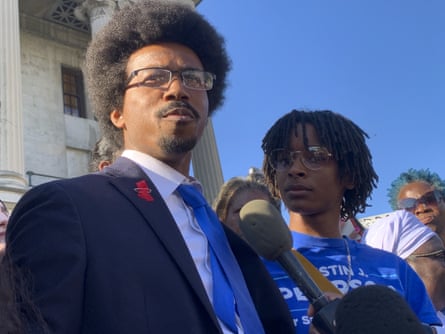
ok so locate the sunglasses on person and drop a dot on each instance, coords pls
(410, 204)
(436, 255)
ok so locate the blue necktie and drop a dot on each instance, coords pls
(229, 287)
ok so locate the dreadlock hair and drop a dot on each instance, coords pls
(138, 25)
(414, 175)
(346, 142)
(235, 186)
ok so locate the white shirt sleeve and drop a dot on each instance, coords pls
(400, 233)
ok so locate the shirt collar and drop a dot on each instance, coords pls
(165, 178)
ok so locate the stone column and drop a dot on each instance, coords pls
(206, 163)
(12, 181)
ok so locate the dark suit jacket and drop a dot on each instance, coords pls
(104, 260)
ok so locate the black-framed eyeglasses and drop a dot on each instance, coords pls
(156, 77)
(313, 158)
(436, 255)
(429, 198)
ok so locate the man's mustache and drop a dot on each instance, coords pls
(178, 104)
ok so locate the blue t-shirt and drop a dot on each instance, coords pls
(369, 266)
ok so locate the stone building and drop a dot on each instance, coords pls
(47, 128)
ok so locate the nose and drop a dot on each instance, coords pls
(297, 168)
(176, 89)
(421, 208)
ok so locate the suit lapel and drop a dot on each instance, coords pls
(127, 179)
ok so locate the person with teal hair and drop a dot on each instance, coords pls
(422, 193)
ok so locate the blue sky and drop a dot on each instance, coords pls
(381, 63)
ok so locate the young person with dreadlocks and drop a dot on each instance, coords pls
(318, 163)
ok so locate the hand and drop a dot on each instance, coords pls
(313, 330)
(324, 316)
(329, 296)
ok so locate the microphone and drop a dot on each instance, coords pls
(266, 232)
(376, 309)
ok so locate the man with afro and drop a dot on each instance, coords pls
(124, 250)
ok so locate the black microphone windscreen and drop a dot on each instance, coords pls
(265, 229)
(375, 309)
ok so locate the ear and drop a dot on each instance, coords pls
(117, 119)
(103, 164)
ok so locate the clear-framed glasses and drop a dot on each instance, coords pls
(159, 77)
(436, 255)
(410, 204)
(313, 158)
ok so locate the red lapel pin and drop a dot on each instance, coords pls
(143, 191)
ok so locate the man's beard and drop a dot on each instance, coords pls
(177, 145)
